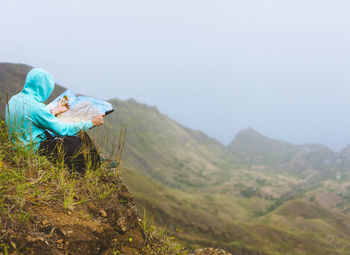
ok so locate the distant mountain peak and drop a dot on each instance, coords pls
(254, 143)
(250, 136)
(250, 132)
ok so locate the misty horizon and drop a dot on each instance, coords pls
(242, 130)
(218, 67)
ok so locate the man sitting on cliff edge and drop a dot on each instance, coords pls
(28, 121)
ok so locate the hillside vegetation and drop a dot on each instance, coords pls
(45, 209)
(255, 196)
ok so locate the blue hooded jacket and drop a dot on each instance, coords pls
(27, 117)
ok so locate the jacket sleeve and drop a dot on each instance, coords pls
(42, 118)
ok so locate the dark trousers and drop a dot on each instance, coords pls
(78, 152)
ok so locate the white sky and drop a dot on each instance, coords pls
(281, 67)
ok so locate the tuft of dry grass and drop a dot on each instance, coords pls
(25, 175)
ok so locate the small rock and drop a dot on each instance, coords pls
(30, 239)
(44, 223)
(59, 244)
(211, 251)
(103, 213)
(91, 205)
(122, 223)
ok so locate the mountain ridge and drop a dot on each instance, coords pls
(16, 72)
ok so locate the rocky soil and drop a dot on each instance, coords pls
(104, 227)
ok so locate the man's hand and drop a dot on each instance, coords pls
(97, 120)
(60, 108)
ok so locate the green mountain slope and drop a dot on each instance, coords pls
(257, 147)
(166, 151)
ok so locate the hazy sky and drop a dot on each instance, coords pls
(281, 67)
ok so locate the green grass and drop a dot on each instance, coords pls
(27, 180)
(25, 175)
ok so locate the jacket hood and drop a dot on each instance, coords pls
(39, 84)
